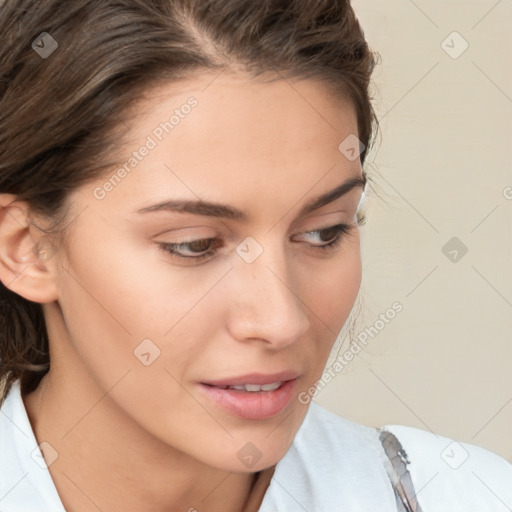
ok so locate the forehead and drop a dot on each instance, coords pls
(244, 114)
(232, 139)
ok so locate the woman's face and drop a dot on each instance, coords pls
(165, 306)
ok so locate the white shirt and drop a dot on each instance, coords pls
(333, 465)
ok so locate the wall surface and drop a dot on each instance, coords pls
(438, 240)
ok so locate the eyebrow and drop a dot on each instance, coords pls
(210, 209)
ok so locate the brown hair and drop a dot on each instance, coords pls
(59, 114)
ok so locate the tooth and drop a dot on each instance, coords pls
(270, 387)
(252, 387)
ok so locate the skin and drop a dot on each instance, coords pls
(122, 430)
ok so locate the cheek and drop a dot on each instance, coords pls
(122, 301)
(134, 328)
(110, 305)
(331, 295)
(333, 289)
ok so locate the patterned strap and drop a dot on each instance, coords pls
(398, 473)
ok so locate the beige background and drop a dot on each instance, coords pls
(441, 169)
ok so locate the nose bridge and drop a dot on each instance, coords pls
(267, 307)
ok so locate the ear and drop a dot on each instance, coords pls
(26, 253)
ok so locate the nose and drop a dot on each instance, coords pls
(265, 305)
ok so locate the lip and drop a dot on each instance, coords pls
(256, 405)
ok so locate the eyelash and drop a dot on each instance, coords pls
(341, 231)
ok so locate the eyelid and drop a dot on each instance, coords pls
(178, 232)
(317, 223)
(322, 221)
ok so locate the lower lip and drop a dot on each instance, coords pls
(255, 405)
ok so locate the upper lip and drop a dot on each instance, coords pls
(254, 378)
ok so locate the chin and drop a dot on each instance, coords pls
(259, 446)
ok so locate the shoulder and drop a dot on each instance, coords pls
(13, 432)
(337, 464)
(25, 482)
(326, 433)
(465, 476)
(332, 464)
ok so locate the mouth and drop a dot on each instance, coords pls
(252, 397)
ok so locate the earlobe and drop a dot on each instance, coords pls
(25, 257)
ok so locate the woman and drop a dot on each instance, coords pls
(181, 183)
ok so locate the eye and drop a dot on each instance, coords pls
(329, 237)
(197, 250)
